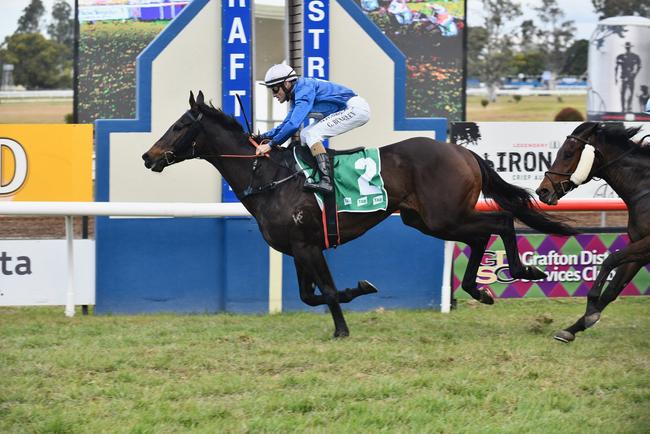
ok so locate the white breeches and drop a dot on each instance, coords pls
(354, 115)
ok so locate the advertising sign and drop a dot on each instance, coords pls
(619, 69)
(316, 44)
(430, 37)
(237, 76)
(46, 162)
(521, 152)
(571, 263)
(34, 272)
(112, 33)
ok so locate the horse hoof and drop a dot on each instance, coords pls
(564, 336)
(535, 273)
(341, 333)
(592, 320)
(367, 287)
(487, 296)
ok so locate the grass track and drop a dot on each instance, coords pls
(479, 369)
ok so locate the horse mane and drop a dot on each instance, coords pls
(615, 133)
(225, 120)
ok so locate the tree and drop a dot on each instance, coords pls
(61, 29)
(575, 62)
(529, 63)
(615, 8)
(491, 62)
(30, 21)
(38, 62)
(554, 36)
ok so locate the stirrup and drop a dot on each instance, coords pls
(320, 187)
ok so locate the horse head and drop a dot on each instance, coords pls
(573, 164)
(180, 141)
(587, 152)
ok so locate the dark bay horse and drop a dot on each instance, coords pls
(433, 185)
(606, 151)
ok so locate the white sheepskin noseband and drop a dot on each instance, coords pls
(584, 165)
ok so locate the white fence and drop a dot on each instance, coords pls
(114, 209)
(132, 209)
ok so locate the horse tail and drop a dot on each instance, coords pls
(519, 202)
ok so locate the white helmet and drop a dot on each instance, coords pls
(278, 74)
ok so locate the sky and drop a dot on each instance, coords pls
(581, 11)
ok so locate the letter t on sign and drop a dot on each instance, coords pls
(316, 43)
(237, 72)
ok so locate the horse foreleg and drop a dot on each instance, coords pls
(477, 245)
(506, 230)
(312, 268)
(623, 275)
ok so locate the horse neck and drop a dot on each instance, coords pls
(236, 171)
(627, 176)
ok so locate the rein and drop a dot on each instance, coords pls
(190, 138)
(252, 142)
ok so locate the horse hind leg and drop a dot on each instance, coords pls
(474, 235)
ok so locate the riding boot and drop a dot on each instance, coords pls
(325, 184)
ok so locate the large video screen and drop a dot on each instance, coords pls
(430, 34)
(112, 33)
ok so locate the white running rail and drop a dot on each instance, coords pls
(115, 209)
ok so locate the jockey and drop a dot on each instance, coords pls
(335, 108)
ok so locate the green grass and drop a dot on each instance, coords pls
(529, 108)
(480, 369)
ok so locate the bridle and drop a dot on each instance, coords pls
(188, 139)
(566, 185)
(570, 183)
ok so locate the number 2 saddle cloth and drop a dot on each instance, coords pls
(357, 181)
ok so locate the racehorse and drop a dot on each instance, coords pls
(606, 151)
(433, 185)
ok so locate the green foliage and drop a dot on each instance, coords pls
(615, 8)
(490, 57)
(30, 20)
(485, 102)
(575, 63)
(554, 35)
(38, 63)
(530, 63)
(517, 98)
(487, 369)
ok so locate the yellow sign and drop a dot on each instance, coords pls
(46, 162)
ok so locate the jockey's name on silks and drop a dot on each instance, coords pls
(357, 179)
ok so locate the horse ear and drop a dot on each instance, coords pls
(199, 98)
(192, 102)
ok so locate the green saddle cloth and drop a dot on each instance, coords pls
(358, 183)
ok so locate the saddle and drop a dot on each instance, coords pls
(330, 214)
